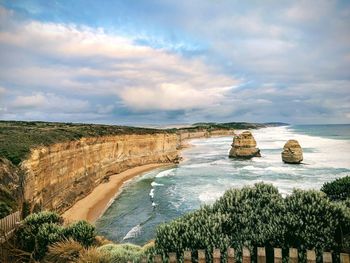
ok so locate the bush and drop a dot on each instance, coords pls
(122, 253)
(258, 216)
(93, 255)
(64, 251)
(27, 234)
(5, 209)
(338, 189)
(81, 231)
(48, 234)
(43, 229)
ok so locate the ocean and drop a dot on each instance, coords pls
(164, 194)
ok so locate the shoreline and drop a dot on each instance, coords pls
(95, 204)
(92, 206)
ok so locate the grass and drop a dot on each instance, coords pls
(18, 137)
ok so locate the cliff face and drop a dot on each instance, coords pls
(185, 135)
(60, 174)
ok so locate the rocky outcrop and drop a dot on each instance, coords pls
(292, 152)
(244, 146)
(59, 175)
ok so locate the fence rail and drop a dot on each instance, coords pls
(8, 224)
(217, 256)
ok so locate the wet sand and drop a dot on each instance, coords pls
(91, 207)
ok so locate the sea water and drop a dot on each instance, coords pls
(207, 172)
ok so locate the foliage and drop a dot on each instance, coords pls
(82, 232)
(93, 255)
(7, 203)
(43, 229)
(5, 209)
(48, 233)
(64, 251)
(38, 230)
(338, 189)
(25, 209)
(18, 137)
(120, 253)
(258, 216)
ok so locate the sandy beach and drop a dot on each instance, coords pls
(91, 207)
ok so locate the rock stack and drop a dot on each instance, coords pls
(244, 146)
(292, 152)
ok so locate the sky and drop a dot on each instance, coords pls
(166, 62)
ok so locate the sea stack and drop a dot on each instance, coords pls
(244, 146)
(292, 152)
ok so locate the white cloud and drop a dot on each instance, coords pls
(48, 102)
(169, 96)
(112, 65)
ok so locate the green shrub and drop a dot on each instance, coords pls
(43, 229)
(81, 231)
(338, 189)
(48, 234)
(258, 216)
(5, 209)
(122, 253)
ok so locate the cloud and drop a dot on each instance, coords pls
(169, 96)
(91, 62)
(49, 103)
(180, 61)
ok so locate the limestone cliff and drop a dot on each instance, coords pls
(60, 174)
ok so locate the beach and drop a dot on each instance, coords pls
(91, 207)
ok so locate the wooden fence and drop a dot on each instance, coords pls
(216, 256)
(9, 223)
(7, 226)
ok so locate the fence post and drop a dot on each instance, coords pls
(327, 257)
(261, 255)
(310, 256)
(158, 259)
(230, 255)
(201, 256)
(344, 258)
(187, 256)
(277, 255)
(293, 255)
(216, 256)
(246, 255)
(172, 258)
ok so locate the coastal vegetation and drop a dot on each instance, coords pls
(252, 216)
(18, 137)
(260, 216)
(338, 190)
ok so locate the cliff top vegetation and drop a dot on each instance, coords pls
(18, 137)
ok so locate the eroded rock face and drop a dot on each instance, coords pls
(292, 152)
(58, 175)
(244, 146)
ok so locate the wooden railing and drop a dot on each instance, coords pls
(230, 256)
(8, 225)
